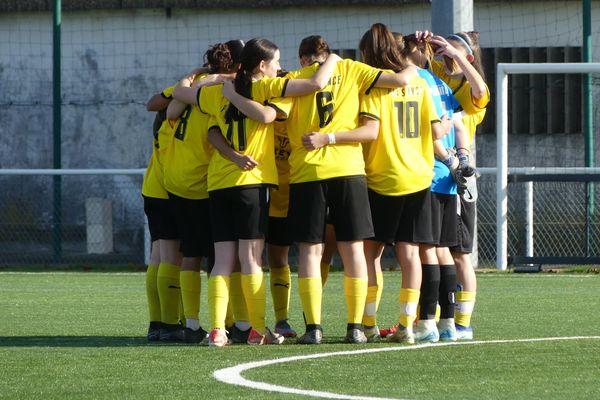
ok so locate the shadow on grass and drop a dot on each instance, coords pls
(78, 341)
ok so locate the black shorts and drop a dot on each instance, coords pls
(465, 230)
(193, 223)
(443, 218)
(402, 218)
(278, 233)
(239, 213)
(161, 220)
(348, 203)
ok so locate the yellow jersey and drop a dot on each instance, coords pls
(333, 109)
(400, 161)
(280, 196)
(246, 136)
(152, 185)
(461, 89)
(188, 154)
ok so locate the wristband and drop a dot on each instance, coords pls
(331, 137)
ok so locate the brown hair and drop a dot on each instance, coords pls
(472, 40)
(407, 44)
(219, 58)
(255, 51)
(314, 46)
(379, 49)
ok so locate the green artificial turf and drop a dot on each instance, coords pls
(82, 335)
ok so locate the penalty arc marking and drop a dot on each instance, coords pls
(232, 375)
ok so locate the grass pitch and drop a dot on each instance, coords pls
(82, 335)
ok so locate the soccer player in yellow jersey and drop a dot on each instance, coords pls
(278, 236)
(239, 175)
(325, 174)
(399, 167)
(185, 179)
(462, 71)
(161, 289)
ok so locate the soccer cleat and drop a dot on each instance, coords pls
(217, 338)
(313, 336)
(427, 331)
(171, 333)
(284, 329)
(236, 335)
(154, 331)
(384, 333)
(402, 335)
(267, 337)
(372, 333)
(463, 332)
(446, 329)
(355, 336)
(192, 336)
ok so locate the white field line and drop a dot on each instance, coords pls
(232, 375)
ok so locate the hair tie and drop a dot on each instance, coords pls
(463, 41)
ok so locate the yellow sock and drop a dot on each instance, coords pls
(311, 295)
(324, 272)
(372, 304)
(409, 300)
(355, 290)
(253, 286)
(167, 282)
(465, 302)
(152, 293)
(218, 297)
(190, 293)
(236, 298)
(280, 279)
(229, 320)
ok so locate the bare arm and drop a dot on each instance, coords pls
(248, 107)
(300, 87)
(365, 133)
(186, 89)
(399, 79)
(157, 103)
(460, 130)
(478, 86)
(245, 162)
(175, 109)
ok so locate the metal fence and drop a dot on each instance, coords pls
(91, 219)
(101, 220)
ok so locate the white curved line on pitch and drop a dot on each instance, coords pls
(232, 375)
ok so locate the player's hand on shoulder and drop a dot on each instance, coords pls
(228, 89)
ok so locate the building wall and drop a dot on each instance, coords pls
(114, 60)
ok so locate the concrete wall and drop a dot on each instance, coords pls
(114, 60)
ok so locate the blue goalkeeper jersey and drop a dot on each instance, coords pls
(445, 103)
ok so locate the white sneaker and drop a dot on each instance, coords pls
(463, 332)
(446, 330)
(402, 335)
(426, 331)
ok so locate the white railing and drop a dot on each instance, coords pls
(502, 72)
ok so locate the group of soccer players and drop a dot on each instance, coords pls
(358, 154)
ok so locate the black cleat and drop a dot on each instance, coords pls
(171, 333)
(192, 336)
(154, 331)
(236, 335)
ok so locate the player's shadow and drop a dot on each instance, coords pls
(74, 341)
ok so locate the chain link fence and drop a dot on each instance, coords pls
(102, 221)
(91, 220)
